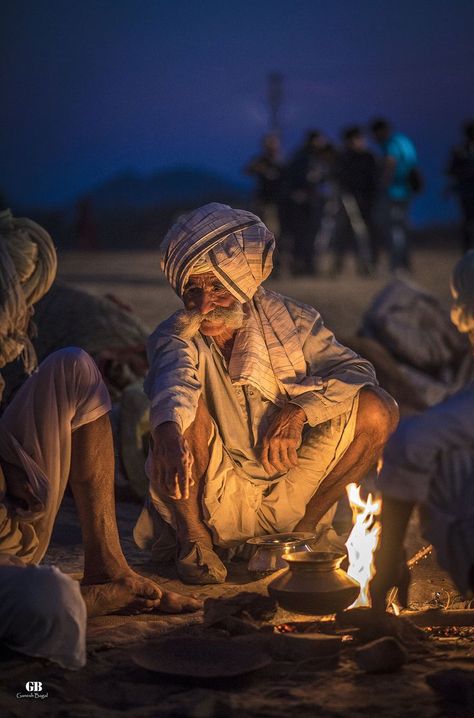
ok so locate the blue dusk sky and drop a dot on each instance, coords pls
(91, 88)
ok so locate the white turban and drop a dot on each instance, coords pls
(462, 288)
(27, 270)
(232, 243)
(237, 247)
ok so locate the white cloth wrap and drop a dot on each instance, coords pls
(238, 248)
(27, 269)
(430, 461)
(43, 614)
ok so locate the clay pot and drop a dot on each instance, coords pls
(314, 583)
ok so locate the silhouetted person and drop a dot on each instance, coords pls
(328, 194)
(267, 171)
(400, 163)
(356, 174)
(461, 170)
(303, 202)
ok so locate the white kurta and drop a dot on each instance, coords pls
(240, 499)
(430, 461)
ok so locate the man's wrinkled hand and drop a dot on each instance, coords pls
(173, 461)
(282, 440)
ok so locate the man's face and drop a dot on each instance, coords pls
(205, 294)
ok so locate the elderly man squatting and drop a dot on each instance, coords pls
(429, 463)
(260, 418)
(56, 429)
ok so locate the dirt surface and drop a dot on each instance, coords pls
(112, 684)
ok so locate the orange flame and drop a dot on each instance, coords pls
(362, 541)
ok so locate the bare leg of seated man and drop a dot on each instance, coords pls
(196, 560)
(377, 418)
(83, 452)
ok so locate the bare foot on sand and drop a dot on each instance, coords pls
(133, 594)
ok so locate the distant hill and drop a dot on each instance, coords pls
(132, 210)
(181, 185)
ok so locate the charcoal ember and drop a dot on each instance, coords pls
(376, 624)
(384, 655)
(453, 685)
(245, 612)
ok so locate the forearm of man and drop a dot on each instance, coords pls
(172, 461)
(390, 567)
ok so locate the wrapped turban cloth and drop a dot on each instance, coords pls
(237, 247)
(462, 288)
(232, 243)
(27, 270)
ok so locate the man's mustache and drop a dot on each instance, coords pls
(188, 321)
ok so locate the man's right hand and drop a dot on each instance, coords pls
(173, 461)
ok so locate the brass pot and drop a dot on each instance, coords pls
(314, 583)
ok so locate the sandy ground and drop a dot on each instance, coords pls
(113, 685)
(136, 278)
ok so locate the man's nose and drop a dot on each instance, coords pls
(205, 303)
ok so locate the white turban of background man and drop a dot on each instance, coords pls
(27, 269)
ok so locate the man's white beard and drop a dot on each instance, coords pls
(188, 322)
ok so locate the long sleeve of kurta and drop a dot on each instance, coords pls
(172, 382)
(173, 385)
(343, 372)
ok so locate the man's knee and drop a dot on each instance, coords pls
(71, 360)
(378, 414)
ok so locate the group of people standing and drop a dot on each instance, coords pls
(338, 199)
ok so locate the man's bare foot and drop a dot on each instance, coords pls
(133, 594)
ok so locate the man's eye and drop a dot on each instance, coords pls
(218, 287)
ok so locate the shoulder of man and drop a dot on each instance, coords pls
(303, 315)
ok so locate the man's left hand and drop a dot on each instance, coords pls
(283, 439)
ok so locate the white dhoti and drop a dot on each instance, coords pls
(35, 434)
(42, 614)
(238, 503)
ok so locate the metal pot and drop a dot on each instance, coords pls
(272, 549)
(314, 583)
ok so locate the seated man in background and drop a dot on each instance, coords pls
(56, 429)
(259, 417)
(429, 462)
